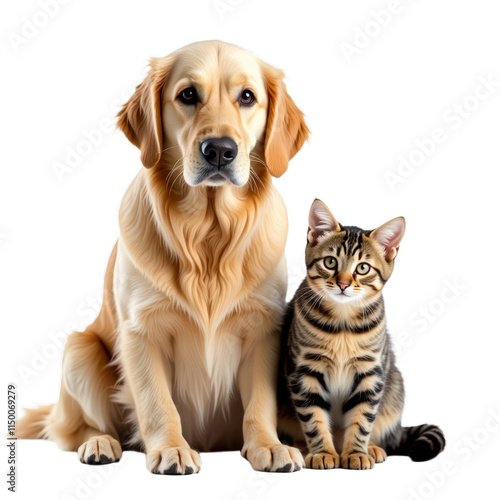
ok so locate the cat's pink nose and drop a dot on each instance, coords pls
(343, 285)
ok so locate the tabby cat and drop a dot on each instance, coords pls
(338, 381)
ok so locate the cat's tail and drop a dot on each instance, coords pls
(32, 424)
(420, 443)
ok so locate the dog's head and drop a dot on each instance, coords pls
(212, 110)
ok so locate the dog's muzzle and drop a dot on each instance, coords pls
(219, 153)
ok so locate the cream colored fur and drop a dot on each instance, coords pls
(183, 355)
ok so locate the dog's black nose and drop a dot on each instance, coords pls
(219, 151)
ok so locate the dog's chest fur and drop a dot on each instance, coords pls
(219, 283)
(204, 358)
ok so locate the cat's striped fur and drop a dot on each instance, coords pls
(338, 378)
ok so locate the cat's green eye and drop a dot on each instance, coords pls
(330, 262)
(363, 268)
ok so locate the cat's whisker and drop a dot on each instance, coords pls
(318, 300)
(312, 295)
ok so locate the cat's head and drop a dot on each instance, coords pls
(346, 264)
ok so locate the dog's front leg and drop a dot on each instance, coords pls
(167, 452)
(257, 382)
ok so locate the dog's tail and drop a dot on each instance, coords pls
(32, 424)
(420, 443)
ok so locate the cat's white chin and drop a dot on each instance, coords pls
(342, 298)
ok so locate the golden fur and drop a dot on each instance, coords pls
(183, 354)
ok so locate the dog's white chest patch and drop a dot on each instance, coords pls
(205, 369)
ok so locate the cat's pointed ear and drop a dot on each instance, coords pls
(389, 237)
(321, 221)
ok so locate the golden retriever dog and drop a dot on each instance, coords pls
(183, 355)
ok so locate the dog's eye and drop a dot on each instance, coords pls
(188, 96)
(247, 98)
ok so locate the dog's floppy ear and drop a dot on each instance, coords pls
(286, 129)
(140, 117)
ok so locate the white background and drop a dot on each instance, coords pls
(364, 114)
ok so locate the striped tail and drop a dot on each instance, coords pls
(32, 424)
(420, 443)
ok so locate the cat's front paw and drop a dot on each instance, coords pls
(322, 460)
(357, 461)
(377, 453)
(277, 458)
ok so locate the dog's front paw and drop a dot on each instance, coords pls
(276, 458)
(322, 461)
(179, 460)
(100, 450)
(358, 461)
